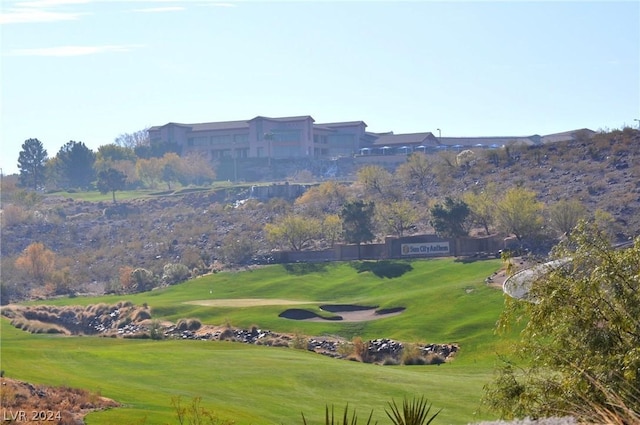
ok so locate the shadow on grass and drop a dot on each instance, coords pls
(305, 268)
(385, 268)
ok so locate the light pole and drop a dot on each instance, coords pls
(439, 136)
(636, 119)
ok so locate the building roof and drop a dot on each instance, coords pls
(343, 124)
(485, 141)
(297, 118)
(566, 135)
(221, 125)
(405, 139)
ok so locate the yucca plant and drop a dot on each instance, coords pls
(415, 412)
(331, 420)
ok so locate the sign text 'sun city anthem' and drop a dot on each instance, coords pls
(425, 248)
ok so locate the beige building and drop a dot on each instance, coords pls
(264, 137)
(301, 137)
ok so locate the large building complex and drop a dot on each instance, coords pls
(301, 137)
(263, 137)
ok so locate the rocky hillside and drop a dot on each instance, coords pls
(98, 244)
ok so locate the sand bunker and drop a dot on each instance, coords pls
(344, 313)
(341, 312)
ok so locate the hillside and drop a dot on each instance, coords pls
(95, 241)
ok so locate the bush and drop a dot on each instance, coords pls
(175, 272)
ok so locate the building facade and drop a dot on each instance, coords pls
(301, 137)
(264, 137)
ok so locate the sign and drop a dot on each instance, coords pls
(425, 248)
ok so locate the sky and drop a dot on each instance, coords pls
(90, 70)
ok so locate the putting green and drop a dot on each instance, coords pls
(248, 302)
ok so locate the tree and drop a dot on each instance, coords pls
(331, 228)
(74, 165)
(482, 206)
(171, 168)
(327, 197)
(149, 171)
(31, 163)
(377, 181)
(357, 222)
(293, 231)
(519, 213)
(396, 217)
(37, 262)
(111, 180)
(581, 341)
(564, 215)
(111, 154)
(133, 140)
(417, 171)
(448, 219)
(197, 169)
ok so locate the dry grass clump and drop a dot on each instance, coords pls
(188, 325)
(75, 320)
(73, 404)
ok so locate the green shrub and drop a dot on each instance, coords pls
(175, 272)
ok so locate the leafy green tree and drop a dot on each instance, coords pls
(31, 163)
(292, 230)
(564, 215)
(449, 219)
(111, 154)
(581, 342)
(74, 165)
(397, 216)
(519, 213)
(111, 180)
(482, 206)
(156, 150)
(332, 228)
(357, 222)
(149, 171)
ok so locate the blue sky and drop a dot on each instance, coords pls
(89, 70)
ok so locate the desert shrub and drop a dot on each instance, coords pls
(434, 358)
(143, 278)
(227, 335)
(13, 215)
(390, 361)
(156, 331)
(345, 349)
(411, 355)
(141, 314)
(188, 324)
(361, 349)
(299, 341)
(175, 272)
(195, 414)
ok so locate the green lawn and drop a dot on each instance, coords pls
(445, 301)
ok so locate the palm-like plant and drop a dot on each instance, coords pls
(415, 412)
(332, 420)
